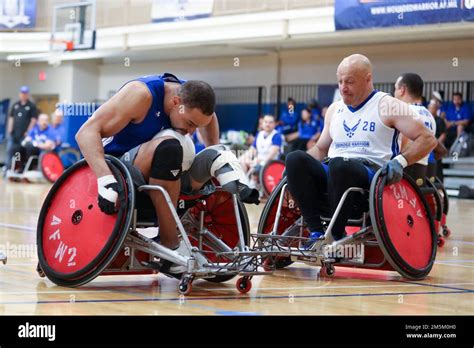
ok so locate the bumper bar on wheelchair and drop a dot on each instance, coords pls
(241, 260)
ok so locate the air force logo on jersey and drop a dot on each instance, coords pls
(350, 131)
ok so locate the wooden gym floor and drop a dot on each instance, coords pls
(297, 290)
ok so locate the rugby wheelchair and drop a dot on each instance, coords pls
(435, 195)
(393, 231)
(50, 164)
(77, 242)
(271, 175)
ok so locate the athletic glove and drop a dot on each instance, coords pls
(108, 194)
(394, 169)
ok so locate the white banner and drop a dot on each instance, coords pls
(176, 10)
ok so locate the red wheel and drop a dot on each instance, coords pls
(51, 166)
(441, 241)
(327, 271)
(271, 175)
(403, 226)
(244, 285)
(220, 220)
(76, 241)
(290, 213)
(446, 231)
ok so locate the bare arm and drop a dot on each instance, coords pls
(321, 148)
(10, 125)
(291, 136)
(274, 150)
(131, 103)
(397, 114)
(210, 133)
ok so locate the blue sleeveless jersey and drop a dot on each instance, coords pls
(156, 119)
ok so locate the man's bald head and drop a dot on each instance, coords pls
(357, 62)
(354, 75)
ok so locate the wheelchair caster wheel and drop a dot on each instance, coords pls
(40, 271)
(441, 242)
(446, 231)
(327, 271)
(244, 285)
(185, 286)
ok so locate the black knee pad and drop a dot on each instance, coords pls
(167, 163)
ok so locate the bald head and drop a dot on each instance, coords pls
(354, 75)
(356, 62)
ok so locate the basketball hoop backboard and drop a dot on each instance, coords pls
(74, 23)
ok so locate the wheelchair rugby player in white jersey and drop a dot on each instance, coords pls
(360, 136)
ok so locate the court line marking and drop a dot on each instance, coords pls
(453, 265)
(18, 227)
(459, 241)
(432, 285)
(234, 297)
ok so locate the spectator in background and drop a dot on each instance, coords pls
(289, 124)
(438, 96)
(266, 147)
(458, 116)
(289, 118)
(434, 108)
(319, 128)
(23, 116)
(41, 138)
(307, 130)
(313, 105)
(57, 124)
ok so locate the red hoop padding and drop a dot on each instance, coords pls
(220, 219)
(51, 166)
(76, 241)
(403, 226)
(271, 175)
(290, 213)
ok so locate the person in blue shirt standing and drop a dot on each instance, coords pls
(41, 137)
(132, 117)
(457, 118)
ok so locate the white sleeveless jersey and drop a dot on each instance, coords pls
(263, 145)
(186, 142)
(360, 132)
(429, 122)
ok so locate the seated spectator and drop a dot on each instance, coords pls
(319, 128)
(434, 108)
(40, 138)
(307, 130)
(57, 125)
(438, 97)
(266, 147)
(458, 116)
(313, 106)
(289, 118)
(288, 125)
